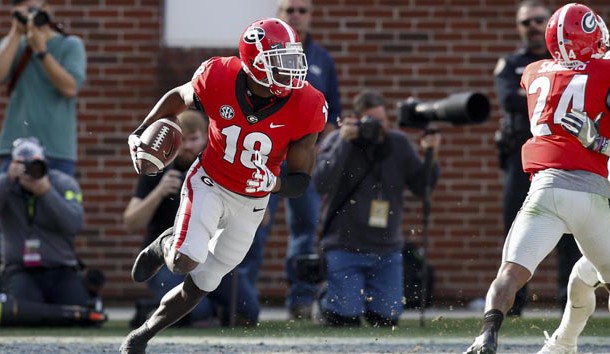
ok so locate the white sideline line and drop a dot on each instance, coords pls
(224, 339)
(280, 314)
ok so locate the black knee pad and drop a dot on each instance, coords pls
(377, 320)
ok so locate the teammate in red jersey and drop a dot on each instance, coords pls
(567, 158)
(261, 111)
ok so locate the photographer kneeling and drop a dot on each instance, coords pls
(40, 214)
(362, 169)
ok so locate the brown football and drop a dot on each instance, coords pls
(159, 145)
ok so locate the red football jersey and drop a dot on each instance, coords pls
(236, 131)
(552, 91)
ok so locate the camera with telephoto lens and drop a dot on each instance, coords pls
(36, 168)
(40, 18)
(310, 268)
(458, 109)
(369, 130)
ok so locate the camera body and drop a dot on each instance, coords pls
(369, 130)
(40, 18)
(310, 268)
(457, 109)
(36, 168)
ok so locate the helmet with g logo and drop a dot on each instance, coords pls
(575, 34)
(272, 55)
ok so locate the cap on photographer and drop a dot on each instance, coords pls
(43, 69)
(362, 168)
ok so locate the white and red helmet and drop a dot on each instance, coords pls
(575, 34)
(272, 55)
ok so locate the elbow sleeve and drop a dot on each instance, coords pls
(294, 185)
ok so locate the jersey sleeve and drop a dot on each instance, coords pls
(523, 81)
(201, 77)
(318, 114)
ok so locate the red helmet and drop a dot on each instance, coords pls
(575, 34)
(272, 55)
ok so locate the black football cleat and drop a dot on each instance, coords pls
(486, 343)
(133, 345)
(150, 260)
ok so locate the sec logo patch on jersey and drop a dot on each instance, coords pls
(227, 112)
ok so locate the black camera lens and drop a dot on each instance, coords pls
(20, 17)
(36, 169)
(458, 109)
(41, 18)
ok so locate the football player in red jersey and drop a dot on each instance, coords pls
(261, 111)
(567, 158)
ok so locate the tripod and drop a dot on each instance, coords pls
(428, 170)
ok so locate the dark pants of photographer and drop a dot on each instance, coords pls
(516, 186)
(61, 285)
(363, 284)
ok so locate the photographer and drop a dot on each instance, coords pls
(362, 169)
(40, 214)
(44, 70)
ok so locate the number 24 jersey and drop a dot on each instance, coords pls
(552, 91)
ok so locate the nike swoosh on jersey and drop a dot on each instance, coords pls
(272, 125)
(257, 209)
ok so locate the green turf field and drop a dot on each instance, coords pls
(437, 327)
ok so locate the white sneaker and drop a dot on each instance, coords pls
(552, 347)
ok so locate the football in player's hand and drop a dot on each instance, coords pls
(159, 145)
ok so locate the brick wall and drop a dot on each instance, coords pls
(427, 49)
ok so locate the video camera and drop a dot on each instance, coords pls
(40, 19)
(458, 109)
(310, 268)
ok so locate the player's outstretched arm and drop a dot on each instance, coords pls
(174, 102)
(585, 130)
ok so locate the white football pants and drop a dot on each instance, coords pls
(547, 214)
(214, 226)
